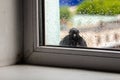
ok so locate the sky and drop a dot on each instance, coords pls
(69, 2)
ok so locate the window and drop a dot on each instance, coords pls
(116, 36)
(45, 27)
(87, 16)
(98, 40)
(107, 38)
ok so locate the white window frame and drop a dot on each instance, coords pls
(58, 56)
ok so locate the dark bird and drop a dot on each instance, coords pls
(73, 39)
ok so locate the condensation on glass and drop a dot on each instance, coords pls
(82, 23)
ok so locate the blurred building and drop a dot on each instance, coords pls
(104, 35)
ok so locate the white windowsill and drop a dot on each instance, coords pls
(28, 72)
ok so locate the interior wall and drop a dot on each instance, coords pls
(11, 31)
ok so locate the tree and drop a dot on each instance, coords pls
(64, 13)
(99, 7)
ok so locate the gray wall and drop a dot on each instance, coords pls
(11, 31)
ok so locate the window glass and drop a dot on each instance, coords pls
(82, 23)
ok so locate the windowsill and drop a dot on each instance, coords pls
(28, 72)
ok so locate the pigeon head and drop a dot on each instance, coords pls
(74, 32)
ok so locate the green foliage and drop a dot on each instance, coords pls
(65, 13)
(99, 7)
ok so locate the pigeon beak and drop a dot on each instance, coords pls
(74, 35)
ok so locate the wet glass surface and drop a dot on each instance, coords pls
(83, 23)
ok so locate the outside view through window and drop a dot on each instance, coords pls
(82, 23)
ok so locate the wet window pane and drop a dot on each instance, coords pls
(82, 23)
